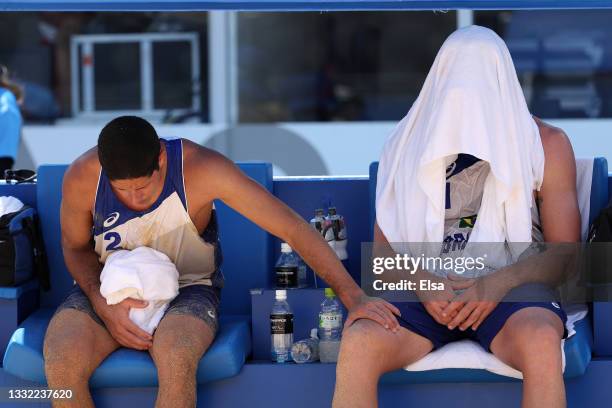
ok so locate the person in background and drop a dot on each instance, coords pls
(11, 96)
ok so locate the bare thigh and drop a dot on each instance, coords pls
(528, 334)
(180, 339)
(75, 342)
(369, 341)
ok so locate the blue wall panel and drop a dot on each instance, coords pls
(349, 196)
(305, 305)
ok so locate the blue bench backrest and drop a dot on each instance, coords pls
(599, 189)
(248, 252)
(49, 198)
(246, 248)
(347, 195)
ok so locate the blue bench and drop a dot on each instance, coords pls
(129, 368)
(128, 378)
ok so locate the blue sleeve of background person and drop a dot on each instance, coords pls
(10, 124)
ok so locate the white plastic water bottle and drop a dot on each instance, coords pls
(338, 227)
(281, 328)
(330, 328)
(318, 222)
(287, 268)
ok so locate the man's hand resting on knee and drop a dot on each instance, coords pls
(378, 310)
(117, 321)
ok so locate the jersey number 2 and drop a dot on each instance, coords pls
(115, 238)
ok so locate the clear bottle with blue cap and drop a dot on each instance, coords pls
(290, 269)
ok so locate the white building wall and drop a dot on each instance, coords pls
(294, 148)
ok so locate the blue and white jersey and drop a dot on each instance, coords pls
(465, 180)
(165, 226)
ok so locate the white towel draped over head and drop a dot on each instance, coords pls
(471, 103)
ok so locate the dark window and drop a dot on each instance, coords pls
(173, 85)
(117, 76)
(563, 59)
(352, 66)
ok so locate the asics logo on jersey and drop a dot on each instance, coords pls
(111, 220)
(450, 169)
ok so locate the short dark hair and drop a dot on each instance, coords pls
(128, 147)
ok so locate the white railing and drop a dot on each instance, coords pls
(83, 63)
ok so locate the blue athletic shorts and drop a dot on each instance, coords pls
(200, 301)
(416, 319)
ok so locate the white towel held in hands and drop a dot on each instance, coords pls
(142, 273)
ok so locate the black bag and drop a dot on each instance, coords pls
(601, 229)
(21, 250)
(598, 256)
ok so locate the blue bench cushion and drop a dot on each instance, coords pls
(14, 292)
(124, 367)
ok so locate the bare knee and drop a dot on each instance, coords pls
(363, 338)
(535, 343)
(542, 338)
(178, 350)
(366, 345)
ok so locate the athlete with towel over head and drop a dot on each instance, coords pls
(469, 164)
